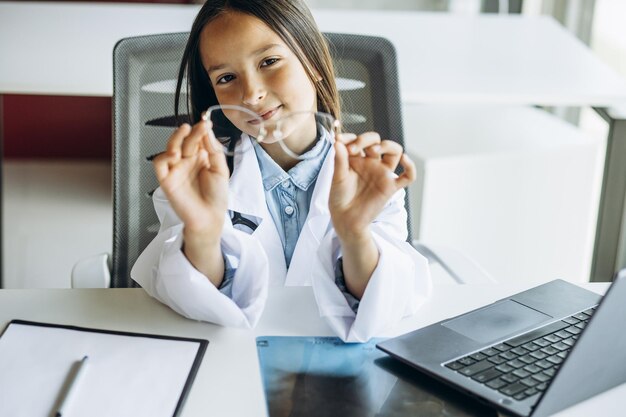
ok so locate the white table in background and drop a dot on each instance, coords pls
(441, 57)
(230, 369)
(513, 188)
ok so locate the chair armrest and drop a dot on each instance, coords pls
(92, 272)
(460, 268)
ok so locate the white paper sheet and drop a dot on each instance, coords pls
(126, 375)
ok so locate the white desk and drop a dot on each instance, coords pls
(228, 382)
(66, 49)
(513, 59)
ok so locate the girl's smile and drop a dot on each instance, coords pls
(266, 115)
(250, 65)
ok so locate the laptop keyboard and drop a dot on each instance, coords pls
(522, 366)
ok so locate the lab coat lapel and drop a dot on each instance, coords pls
(246, 186)
(315, 228)
(246, 196)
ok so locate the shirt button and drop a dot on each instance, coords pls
(289, 210)
(286, 184)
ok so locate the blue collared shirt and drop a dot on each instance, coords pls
(288, 194)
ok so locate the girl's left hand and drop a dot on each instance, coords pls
(364, 180)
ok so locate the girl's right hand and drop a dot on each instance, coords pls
(194, 176)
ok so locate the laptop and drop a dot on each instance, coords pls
(532, 354)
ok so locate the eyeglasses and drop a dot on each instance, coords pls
(289, 130)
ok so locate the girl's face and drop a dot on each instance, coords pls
(249, 65)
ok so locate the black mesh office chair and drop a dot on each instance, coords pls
(145, 71)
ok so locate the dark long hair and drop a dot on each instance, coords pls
(291, 20)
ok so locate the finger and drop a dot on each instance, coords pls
(374, 151)
(161, 164)
(410, 172)
(216, 155)
(176, 139)
(357, 146)
(150, 158)
(342, 164)
(167, 161)
(211, 143)
(346, 138)
(164, 161)
(191, 143)
(391, 153)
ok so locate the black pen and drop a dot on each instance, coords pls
(67, 397)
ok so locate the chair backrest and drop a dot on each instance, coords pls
(367, 77)
(145, 72)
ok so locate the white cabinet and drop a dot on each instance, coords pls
(514, 188)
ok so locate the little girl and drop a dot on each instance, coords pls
(235, 223)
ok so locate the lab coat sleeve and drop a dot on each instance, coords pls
(399, 285)
(167, 275)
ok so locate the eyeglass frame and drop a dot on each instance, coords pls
(206, 115)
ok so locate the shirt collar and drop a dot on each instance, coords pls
(302, 175)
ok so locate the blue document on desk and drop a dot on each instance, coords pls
(322, 376)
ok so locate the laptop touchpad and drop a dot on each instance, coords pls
(496, 321)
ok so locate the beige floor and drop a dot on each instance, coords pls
(54, 213)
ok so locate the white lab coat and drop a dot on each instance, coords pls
(399, 285)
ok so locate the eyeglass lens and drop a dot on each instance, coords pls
(297, 133)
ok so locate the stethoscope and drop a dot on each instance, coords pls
(237, 219)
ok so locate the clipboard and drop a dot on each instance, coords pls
(129, 374)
